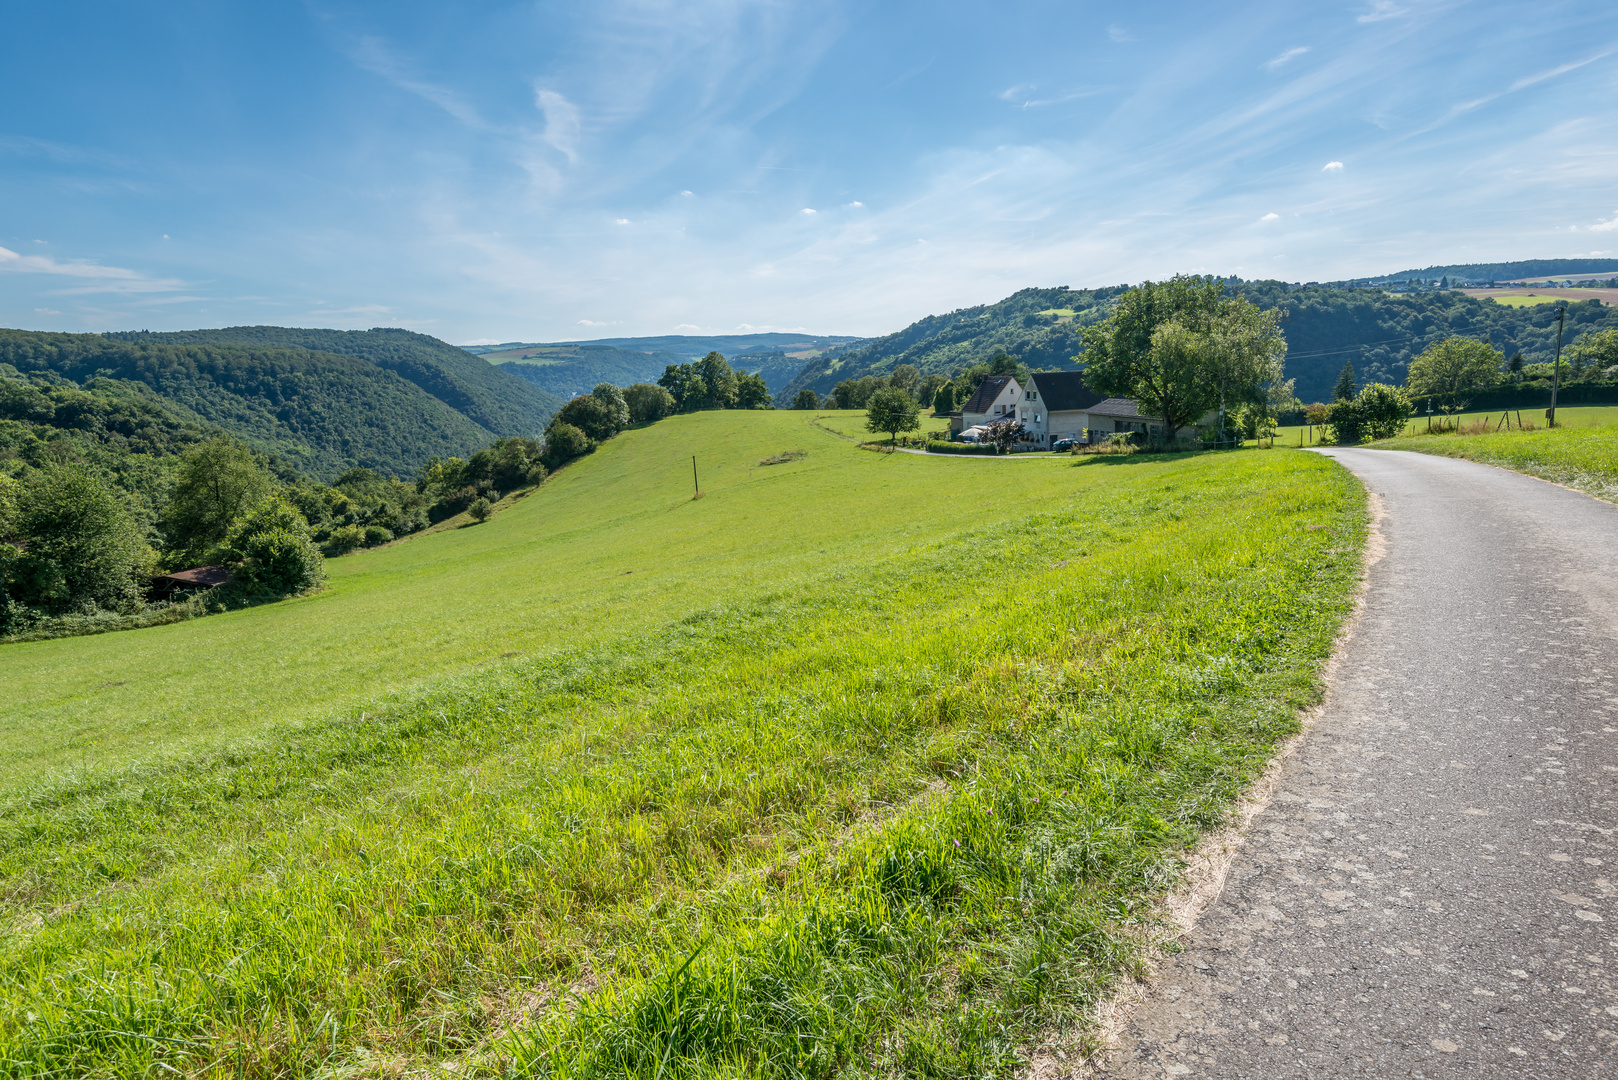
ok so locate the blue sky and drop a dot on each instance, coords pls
(541, 171)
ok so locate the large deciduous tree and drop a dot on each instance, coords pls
(1182, 347)
(1453, 368)
(218, 482)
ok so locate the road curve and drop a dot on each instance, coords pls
(1433, 890)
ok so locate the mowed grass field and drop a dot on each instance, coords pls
(606, 549)
(862, 765)
(851, 423)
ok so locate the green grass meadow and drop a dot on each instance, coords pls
(860, 765)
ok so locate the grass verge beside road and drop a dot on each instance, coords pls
(1583, 458)
(888, 816)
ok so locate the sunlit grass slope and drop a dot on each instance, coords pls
(875, 773)
(1583, 457)
(608, 546)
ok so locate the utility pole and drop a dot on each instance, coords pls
(1556, 369)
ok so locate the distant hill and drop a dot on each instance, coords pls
(566, 368)
(490, 398)
(1038, 326)
(325, 412)
(1483, 273)
(1325, 326)
(1380, 334)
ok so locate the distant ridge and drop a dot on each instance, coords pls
(1483, 273)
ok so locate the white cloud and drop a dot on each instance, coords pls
(373, 55)
(687, 194)
(1271, 216)
(112, 279)
(46, 311)
(806, 210)
(1606, 226)
(622, 221)
(590, 322)
(1333, 166)
(856, 204)
(1118, 34)
(1290, 54)
(686, 326)
(561, 121)
(1380, 10)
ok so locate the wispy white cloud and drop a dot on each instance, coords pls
(1606, 226)
(1118, 35)
(1332, 166)
(1382, 10)
(374, 55)
(1290, 54)
(1271, 216)
(807, 210)
(590, 322)
(561, 121)
(98, 278)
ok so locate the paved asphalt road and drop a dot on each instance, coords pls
(1433, 891)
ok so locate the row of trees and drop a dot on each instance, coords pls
(711, 383)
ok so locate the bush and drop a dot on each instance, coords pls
(481, 510)
(453, 503)
(647, 402)
(1378, 410)
(345, 539)
(81, 549)
(564, 442)
(589, 415)
(282, 561)
(376, 534)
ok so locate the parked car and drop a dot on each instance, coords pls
(1062, 446)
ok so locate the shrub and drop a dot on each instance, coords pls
(648, 402)
(453, 503)
(480, 510)
(345, 539)
(564, 442)
(282, 561)
(81, 547)
(376, 534)
(1378, 410)
(589, 415)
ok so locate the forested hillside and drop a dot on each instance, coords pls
(1380, 334)
(575, 367)
(1483, 273)
(1040, 327)
(487, 396)
(1325, 326)
(325, 412)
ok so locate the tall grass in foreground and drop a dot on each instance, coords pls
(1583, 458)
(891, 819)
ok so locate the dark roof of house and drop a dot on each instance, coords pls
(1123, 408)
(1062, 391)
(987, 391)
(202, 575)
